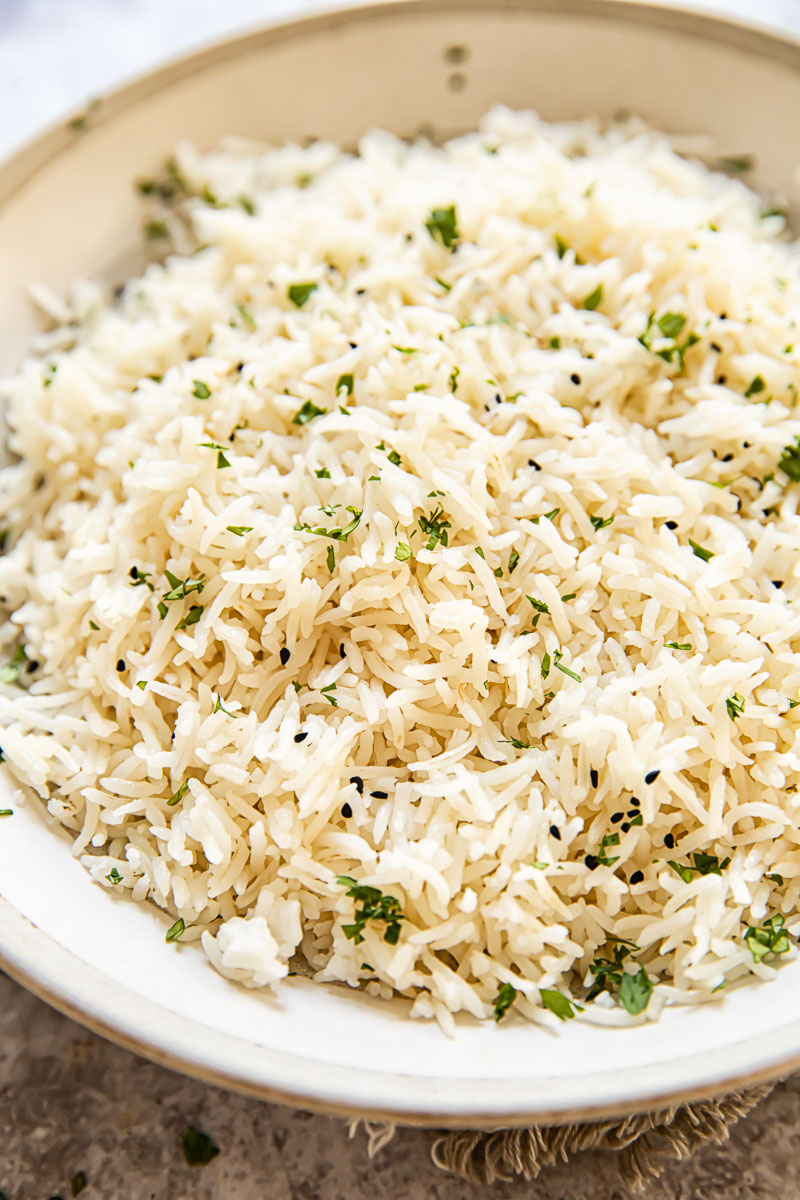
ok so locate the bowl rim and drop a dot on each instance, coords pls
(78, 990)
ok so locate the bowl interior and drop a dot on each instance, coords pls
(67, 209)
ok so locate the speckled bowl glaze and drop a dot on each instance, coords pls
(67, 209)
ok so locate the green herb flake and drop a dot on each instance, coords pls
(755, 386)
(345, 383)
(373, 905)
(114, 876)
(78, 1183)
(239, 530)
(326, 692)
(539, 605)
(775, 878)
(402, 552)
(247, 204)
(513, 559)
(175, 931)
(790, 461)
(735, 706)
(405, 349)
(442, 283)
(220, 707)
(557, 656)
(49, 374)
(198, 1148)
(684, 872)
(545, 666)
(601, 522)
(162, 609)
(561, 246)
(548, 516)
(11, 671)
(555, 343)
(671, 324)
(568, 596)
(192, 617)
(154, 230)
(737, 164)
(435, 528)
(299, 293)
(330, 558)
(322, 473)
(635, 992)
(176, 797)
(222, 460)
(562, 1006)
(700, 551)
(307, 413)
(142, 684)
(453, 381)
(246, 316)
(517, 744)
(180, 588)
(93, 625)
(770, 939)
(594, 299)
(506, 995)
(442, 225)
(678, 645)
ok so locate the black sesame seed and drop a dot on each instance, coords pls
(284, 656)
(624, 826)
(359, 782)
(575, 379)
(632, 812)
(727, 458)
(353, 345)
(341, 650)
(593, 777)
(616, 818)
(239, 368)
(722, 380)
(498, 399)
(717, 347)
(532, 463)
(486, 408)
(671, 524)
(121, 664)
(634, 802)
(778, 583)
(637, 877)
(134, 573)
(652, 776)
(591, 861)
(746, 445)
(32, 666)
(555, 832)
(380, 795)
(346, 810)
(361, 291)
(669, 841)
(300, 737)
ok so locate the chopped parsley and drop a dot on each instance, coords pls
(344, 382)
(678, 645)
(702, 864)
(78, 1183)
(737, 164)
(435, 528)
(239, 530)
(602, 859)
(192, 617)
(670, 325)
(635, 991)
(561, 246)
(548, 516)
(513, 559)
(114, 876)
(735, 705)
(299, 293)
(539, 605)
(394, 458)
(140, 578)
(770, 939)
(402, 552)
(453, 381)
(442, 225)
(405, 349)
(201, 390)
(557, 656)
(336, 533)
(545, 666)
(790, 461)
(326, 692)
(568, 596)
(755, 386)
(11, 671)
(700, 551)
(246, 316)
(153, 230)
(601, 522)
(222, 461)
(608, 972)
(555, 343)
(506, 995)
(307, 413)
(330, 558)
(562, 1006)
(176, 797)
(322, 473)
(142, 684)
(180, 588)
(517, 744)
(442, 283)
(374, 906)
(220, 707)
(198, 1148)
(49, 374)
(594, 299)
(175, 931)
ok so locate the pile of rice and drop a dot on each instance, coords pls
(543, 393)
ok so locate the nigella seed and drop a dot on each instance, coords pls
(652, 776)
(634, 802)
(284, 656)
(717, 347)
(669, 841)
(727, 458)
(778, 583)
(121, 664)
(591, 861)
(361, 291)
(33, 665)
(239, 368)
(593, 777)
(575, 379)
(555, 832)
(300, 737)
(359, 782)
(353, 345)
(671, 524)
(722, 380)
(632, 812)
(637, 877)
(346, 810)
(616, 818)
(134, 573)
(624, 826)
(341, 650)
(533, 463)
(380, 795)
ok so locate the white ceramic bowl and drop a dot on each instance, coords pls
(67, 209)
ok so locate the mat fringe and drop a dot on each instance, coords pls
(645, 1144)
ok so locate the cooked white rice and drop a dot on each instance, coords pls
(407, 736)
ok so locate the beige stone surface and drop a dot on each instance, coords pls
(70, 1102)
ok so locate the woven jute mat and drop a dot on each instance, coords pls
(643, 1144)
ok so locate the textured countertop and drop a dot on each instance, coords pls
(72, 1102)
